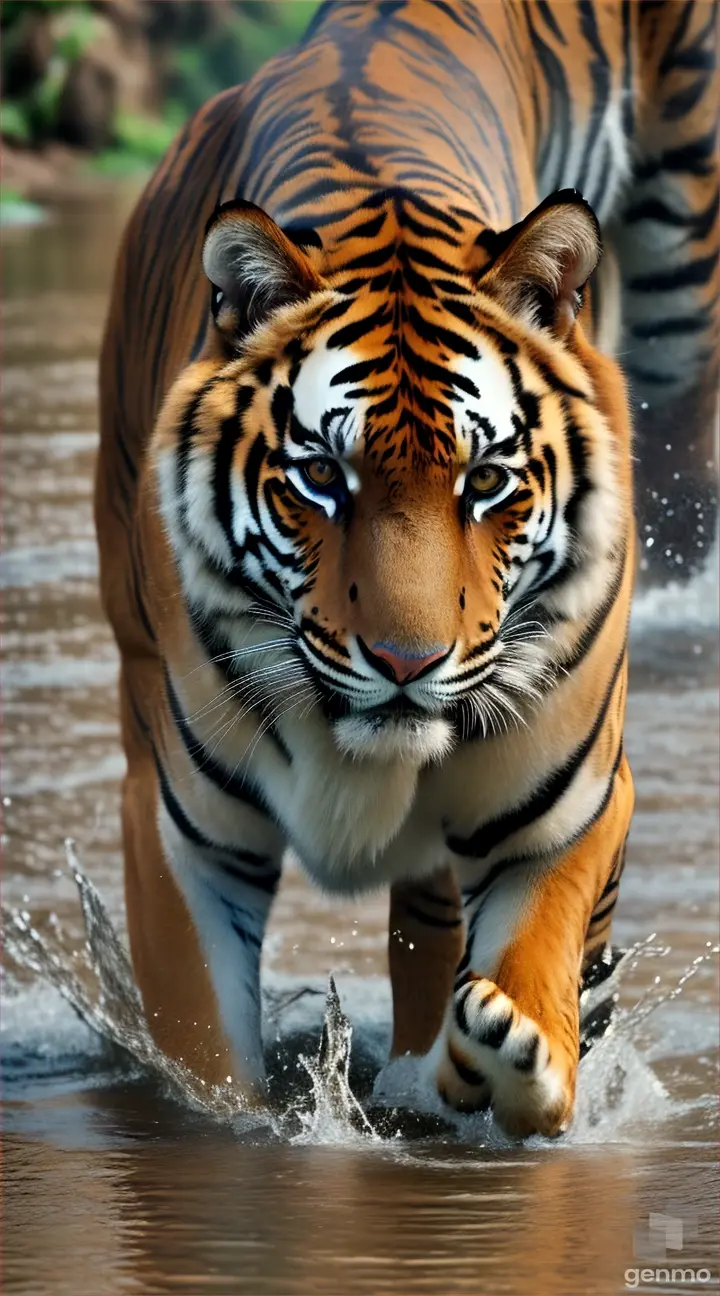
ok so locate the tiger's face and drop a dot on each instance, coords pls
(410, 468)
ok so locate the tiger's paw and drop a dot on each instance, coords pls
(497, 1056)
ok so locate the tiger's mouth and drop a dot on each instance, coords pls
(397, 729)
(397, 709)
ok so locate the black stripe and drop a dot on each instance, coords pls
(650, 376)
(550, 21)
(599, 69)
(308, 626)
(489, 835)
(695, 274)
(678, 324)
(236, 785)
(175, 810)
(430, 920)
(432, 898)
(596, 622)
(230, 433)
(495, 1033)
(466, 1073)
(353, 332)
(694, 158)
(580, 833)
(606, 910)
(657, 209)
(187, 431)
(237, 913)
(233, 858)
(525, 1060)
(492, 875)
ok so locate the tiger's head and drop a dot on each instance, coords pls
(398, 449)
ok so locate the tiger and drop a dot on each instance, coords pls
(365, 512)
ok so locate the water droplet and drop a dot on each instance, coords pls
(649, 542)
(332, 940)
(410, 945)
(7, 801)
(229, 1079)
(644, 405)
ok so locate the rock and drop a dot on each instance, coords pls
(27, 50)
(88, 103)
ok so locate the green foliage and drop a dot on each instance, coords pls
(140, 142)
(204, 53)
(14, 124)
(146, 137)
(76, 32)
(234, 51)
(41, 105)
(118, 163)
(12, 10)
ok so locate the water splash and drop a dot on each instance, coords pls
(335, 1114)
(106, 997)
(98, 983)
(615, 1087)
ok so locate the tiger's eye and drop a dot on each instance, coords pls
(321, 472)
(485, 479)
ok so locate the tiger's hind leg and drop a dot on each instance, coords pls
(425, 942)
(667, 237)
(512, 1032)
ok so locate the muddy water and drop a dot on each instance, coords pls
(114, 1183)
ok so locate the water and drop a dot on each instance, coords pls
(122, 1174)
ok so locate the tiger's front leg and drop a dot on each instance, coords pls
(512, 1034)
(197, 908)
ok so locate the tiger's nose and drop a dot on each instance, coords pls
(399, 666)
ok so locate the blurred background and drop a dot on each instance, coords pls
(99, 87)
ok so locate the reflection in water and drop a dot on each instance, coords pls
(115, 1185)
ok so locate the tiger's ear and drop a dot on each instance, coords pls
(254, 268)
(540, 266)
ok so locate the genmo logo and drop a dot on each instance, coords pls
(653, 1239)
(652, 1277)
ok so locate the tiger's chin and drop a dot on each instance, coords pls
(416, 739)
